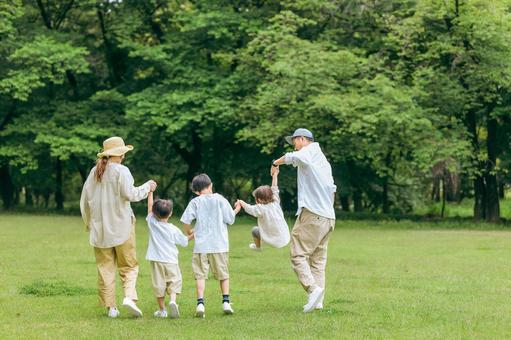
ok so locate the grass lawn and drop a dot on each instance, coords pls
(385, 280)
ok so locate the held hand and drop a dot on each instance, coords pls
(191, 235)
(152, 185)
(274, 170)
(237, 207)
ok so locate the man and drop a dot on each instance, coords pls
(316, 216)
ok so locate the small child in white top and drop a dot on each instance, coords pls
(163, 254)
(271, 226)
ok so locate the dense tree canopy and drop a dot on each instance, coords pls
(409, 99)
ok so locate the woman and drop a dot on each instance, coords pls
(106, 211)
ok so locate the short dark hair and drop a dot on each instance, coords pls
(200, 182)
(163, 208)
(264, 194)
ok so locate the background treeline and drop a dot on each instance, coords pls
(409, 99)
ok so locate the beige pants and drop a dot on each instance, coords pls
(309, 243)
(166, 278)
(124, 257)
(218, 262)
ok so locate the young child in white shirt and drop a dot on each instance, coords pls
(163, 254)
(212, 213)
(271, 226)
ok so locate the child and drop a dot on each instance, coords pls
(163, 254)
(211, 213)
(271, 226)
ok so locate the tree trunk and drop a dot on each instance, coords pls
(492, 192)
(7, 186)
(479, 186)
(385, 196)
(29, 201)
(345, 203)
(59, 196)
(357, 200)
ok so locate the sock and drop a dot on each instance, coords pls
(200, 300)
(225, 298)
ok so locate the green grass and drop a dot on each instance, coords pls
(385, 280)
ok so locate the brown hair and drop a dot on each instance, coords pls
(100, 168)
(263, 194)
(163, 208)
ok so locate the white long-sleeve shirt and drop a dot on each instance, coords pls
(316, 186)
(212, 213)
(270, 220)
(163, 239)
(105, 205)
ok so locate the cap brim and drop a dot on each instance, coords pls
(289, 139)
(115, 151)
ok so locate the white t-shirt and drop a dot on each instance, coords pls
(163, 238)
(270, 220)
(316, 186)
(212, 213)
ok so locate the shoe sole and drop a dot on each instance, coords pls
(174, 311)
(314, 304)
(200, 314)
(228, 312)
(133, 311)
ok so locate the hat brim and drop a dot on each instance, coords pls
(119, 151)
(289, 139)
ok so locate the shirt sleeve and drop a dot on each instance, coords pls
(148, 218)
(84, 201)
(227, 212)
(275, 191)
(253, 210)
(128, 190)
(190, 213)
(296, 158)
(179, 238)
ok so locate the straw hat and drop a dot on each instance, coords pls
(114, 146)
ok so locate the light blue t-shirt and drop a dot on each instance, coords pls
(163, 238)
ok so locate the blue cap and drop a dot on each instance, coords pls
(301, 132)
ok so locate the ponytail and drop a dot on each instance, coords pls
(100, 168)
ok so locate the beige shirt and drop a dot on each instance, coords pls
(270, 220)
(106, 208)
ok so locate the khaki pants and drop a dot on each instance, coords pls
(124, 257)
(309, 243)
(218, 262)
(166, 278)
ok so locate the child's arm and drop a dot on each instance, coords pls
(188, 216)
(187, 229)
(250, 209)
(150, 203)
(274, 172)
(237, 207)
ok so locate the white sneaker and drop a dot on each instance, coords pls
(313, 299)
(160, 313)
(254, 247)
(174, 310)
(227, 308)
(200, 312)
(113, 312)
(319, 306)
(131, 307)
